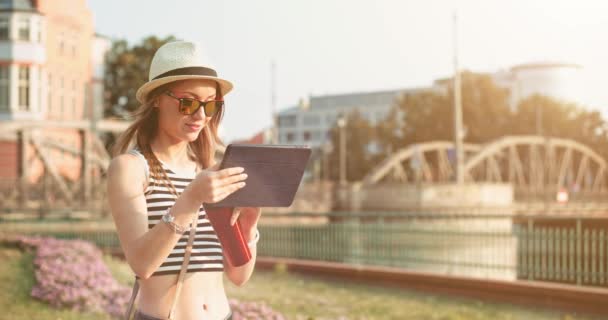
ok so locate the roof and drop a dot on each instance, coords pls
(17, 5)
(258, 138)
(358, 99)
(288, 111)
(545, 65)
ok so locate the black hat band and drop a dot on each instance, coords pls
(188, 71)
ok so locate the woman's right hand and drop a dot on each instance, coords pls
(212, 185)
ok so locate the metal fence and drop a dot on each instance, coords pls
(464, 245)
(497, 246)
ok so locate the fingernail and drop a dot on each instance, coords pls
(243, 184)
(245, 176)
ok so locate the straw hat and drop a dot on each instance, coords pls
(179, 60)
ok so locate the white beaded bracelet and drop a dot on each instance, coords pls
(255, 240)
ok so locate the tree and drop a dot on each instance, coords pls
(562, 120)
(127, 69)
(429, 115)
(359, 135)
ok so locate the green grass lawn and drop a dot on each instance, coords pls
(314, 297)
(297, 296)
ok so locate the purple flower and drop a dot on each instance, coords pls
(72, 274)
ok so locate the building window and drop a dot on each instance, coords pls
(4, 88)
(24, 88)
(74, 110)
(4, 28)
(311, 120)
(316, 135)
(39, 32)
(290, 137)
(62, 43)
(306, 135)
(49, 89)
(24, 29)
(287, 121)
(40, 96)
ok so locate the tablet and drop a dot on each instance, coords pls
(274, 173)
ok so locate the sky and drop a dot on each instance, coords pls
(341, 46)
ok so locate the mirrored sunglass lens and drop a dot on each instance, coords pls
(189, 106)
(211, 108)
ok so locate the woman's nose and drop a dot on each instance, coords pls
(199, 114)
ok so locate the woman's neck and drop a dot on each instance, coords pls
(170, 151)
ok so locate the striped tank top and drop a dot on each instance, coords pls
(206, 250)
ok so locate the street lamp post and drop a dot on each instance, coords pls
(458, 133)
(326, 149)
(341, 126)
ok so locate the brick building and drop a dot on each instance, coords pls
(51, 69)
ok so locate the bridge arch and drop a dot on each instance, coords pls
(427, 162)
(536, 162)
(529, 163)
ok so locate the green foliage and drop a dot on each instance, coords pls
(562, 120)
(126, 70)
(359, 134)
(429, 115)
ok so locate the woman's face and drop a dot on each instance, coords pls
(180, 127)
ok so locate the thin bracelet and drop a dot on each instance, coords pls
(256, 238)
(169, 219)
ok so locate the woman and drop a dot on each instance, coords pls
(162, 174)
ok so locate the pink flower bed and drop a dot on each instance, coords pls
(72, 274)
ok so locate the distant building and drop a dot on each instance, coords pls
(51, 68)
(262, 137)
(310, 121)
(562, 81)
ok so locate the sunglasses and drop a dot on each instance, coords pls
(189, 106)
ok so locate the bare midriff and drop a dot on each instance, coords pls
(202, 296)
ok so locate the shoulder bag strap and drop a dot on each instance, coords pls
(132, 300)
(182, 272)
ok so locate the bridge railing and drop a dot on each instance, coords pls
(566, 249)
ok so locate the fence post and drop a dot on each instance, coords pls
(579, 248)
(602, 271)
(530, 239)
(594, 256)
(586, 256)
(85, 172)
(22, 140)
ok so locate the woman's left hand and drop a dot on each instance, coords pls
(248, 217)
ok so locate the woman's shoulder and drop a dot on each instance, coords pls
(128, 164)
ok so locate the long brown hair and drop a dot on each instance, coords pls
(145, 127)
